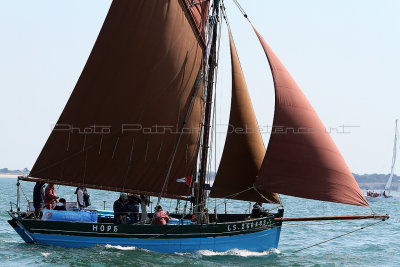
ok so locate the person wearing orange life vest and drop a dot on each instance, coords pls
(160, 217)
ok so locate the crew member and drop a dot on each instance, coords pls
(120, 209)
(50, 197)
(160, 217)
(133, 207)
(82, 197)
(144, 203)
(257, 211)
(61, 205)
(38, 199)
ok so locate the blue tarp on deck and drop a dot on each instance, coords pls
(69, 216)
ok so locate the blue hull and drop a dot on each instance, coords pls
(21, 231)
(234, 232)
(258, 241)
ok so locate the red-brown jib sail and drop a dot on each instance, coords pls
(301, 159)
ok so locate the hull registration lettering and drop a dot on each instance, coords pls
(105, 228)
(246, 226)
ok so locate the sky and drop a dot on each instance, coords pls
(344, 55)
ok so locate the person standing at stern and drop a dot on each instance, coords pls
(38, 199)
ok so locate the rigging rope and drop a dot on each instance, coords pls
(213, 150)
(268, 201)
(215, 117)
(241, 10)
(373, 212)
(229, 197)
(225, 16)
(24, 193)
(319, 243)
(186, 118)
(210, 60)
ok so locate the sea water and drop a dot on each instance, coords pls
(378, 245)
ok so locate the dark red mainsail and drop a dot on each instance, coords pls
(135, 114)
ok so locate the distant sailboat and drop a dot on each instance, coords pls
(388, 186)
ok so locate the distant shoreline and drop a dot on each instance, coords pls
(365, 181)
(5, 175)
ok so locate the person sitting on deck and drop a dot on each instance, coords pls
(61, 205)
(38, 199)
(120, 209)
(160, 217)
(203, 218)
(133, 207)
(257, 211)
(50, 197)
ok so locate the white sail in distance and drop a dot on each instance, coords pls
(389, 182)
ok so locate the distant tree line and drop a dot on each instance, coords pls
(374, 178)
(6, 170)
(376, 181)
(366, 181)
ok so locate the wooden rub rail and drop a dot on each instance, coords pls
(330, 218)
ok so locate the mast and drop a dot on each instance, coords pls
(201, 193)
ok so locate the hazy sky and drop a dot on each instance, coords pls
(344, 54)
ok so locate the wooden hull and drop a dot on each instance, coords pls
(254, 235)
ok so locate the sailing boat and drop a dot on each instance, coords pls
(139, 119)
(388, 185)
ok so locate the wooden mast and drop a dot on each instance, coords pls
(201, 193)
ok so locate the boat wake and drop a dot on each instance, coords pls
(234, 252)
(121, 247)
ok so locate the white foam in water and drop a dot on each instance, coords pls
(121, 248)
(238, 252)
(182, 253)
(45, 254)
(126, 248)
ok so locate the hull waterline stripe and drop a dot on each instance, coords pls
(178, 234)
